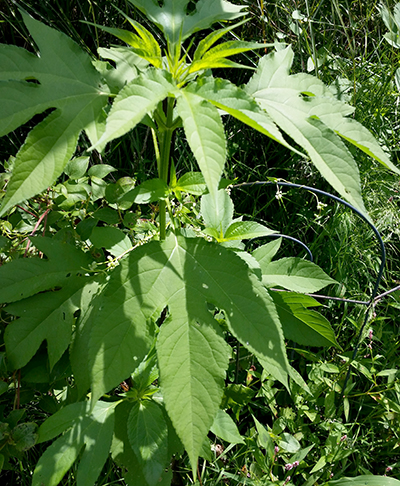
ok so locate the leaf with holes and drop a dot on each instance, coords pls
(65, 81)
(307, 111)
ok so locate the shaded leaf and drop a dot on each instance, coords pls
(147, 432)
(24, 277)
(302, 325)
(185, 275)
(298, 104)
(112, 239)
(93, 431)
(133, 102)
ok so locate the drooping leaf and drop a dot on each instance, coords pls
(128, 65)
(295, 274)
(148, 437)
(134, 101)
(235, 101)
(263, 437)
(303, 107)
(392, 22)
(26, 276)
(225, 428)
(149, 191)
(265, 253)
(171, 18)
(124, 456)
(68, 83)
(183, 274)
(24, 436)
(205, 135)
(300, 324)
(91, 430)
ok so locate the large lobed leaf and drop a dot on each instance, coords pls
(305, 109)
(47, 315)
(173, 20)
(65, 81)
(184, 275)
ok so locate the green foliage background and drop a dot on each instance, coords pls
(313, 425)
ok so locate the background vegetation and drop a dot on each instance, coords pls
(342, 42)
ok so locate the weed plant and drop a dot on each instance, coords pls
(358, 434)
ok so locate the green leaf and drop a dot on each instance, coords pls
(67, 82)
(351, 130)
(134, 101)
(205, 44)
(300, 324)
(289, 443)
(217, 211)
(225, 428)
(123, 454)
(148, 191)
(127, 66)
(191, 182)
(365, 481)
(147, 432)
(216, 57)
(237, 103)
(171, 18)
(93, 431)
(192, 361)
(24, 277)
(265, 253)
(24, 436)
(47, 316)
(77, 167)
(205, 135)
(297, 104)
(112, 239)
(264, 437)
(183, 275)
(243, 230)
(295, 274)
(100, 170)
(144, 45)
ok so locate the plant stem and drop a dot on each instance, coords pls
(165, 153)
